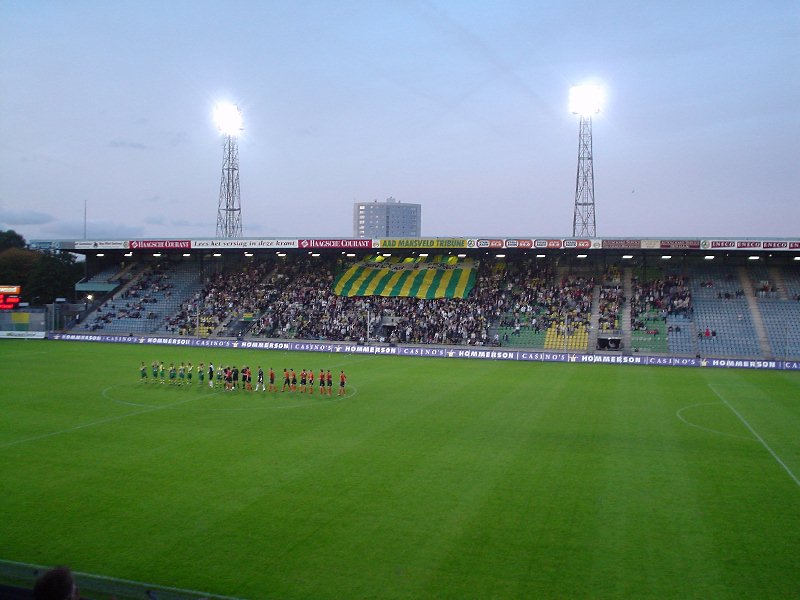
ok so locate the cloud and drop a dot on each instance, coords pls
(24, 217)
(127, 144)
(177, 138)
(95, 230)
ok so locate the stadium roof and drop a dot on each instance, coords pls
(85, 246)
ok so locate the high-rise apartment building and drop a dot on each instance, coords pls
(390, 218)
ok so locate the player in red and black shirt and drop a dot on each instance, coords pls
(272, 387)
(287, 381)
(321, 382)
(311, 381)
(329, 382)
(303, 381)
(293, 375)
(342, 382)
(247, 379)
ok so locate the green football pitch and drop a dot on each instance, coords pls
(430, 478)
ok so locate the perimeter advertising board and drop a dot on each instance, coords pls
(160, 244)
(245, 244)
(430, 243)
(479, 353)
(338, 244)
(101, 244)
(750, 244)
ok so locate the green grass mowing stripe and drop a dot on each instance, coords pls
(438, 479)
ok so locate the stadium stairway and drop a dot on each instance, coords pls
(594, 323)
(625, 316)
(758, 322)
(777, 276)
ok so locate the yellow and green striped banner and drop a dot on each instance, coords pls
(415, 277)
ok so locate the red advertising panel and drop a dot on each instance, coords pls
(160, 244)
(680, 244)
(716, 244)
(622, 244)
(578, 244)
(552, 244)
(517, 243)
(331, 243)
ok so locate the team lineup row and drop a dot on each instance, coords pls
(231, 378)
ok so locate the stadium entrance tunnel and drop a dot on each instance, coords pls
(612, 342)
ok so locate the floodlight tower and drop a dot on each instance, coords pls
(229, 214)
(585, 101)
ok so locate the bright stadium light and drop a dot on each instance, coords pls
(586, 100)
(228, 118)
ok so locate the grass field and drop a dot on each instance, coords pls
(432, 478)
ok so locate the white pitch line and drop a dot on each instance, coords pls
(758, 437)
(690, 424)
(155, 408)
(92, 424)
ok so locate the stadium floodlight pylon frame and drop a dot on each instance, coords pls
(585, 100)
(229, 211)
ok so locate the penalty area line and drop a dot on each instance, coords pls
(755, 433)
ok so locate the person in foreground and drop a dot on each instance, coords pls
(56, 584)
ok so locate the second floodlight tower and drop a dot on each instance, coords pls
(228, 119)
(585, 101)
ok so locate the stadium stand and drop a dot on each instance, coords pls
(780, 315)
(143, 305)
(721, 314)
(525, 302)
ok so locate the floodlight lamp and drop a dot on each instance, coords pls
(586, 100)
(228, 118)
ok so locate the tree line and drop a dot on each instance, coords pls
(44, 276)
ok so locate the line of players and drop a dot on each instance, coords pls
(230, 378)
